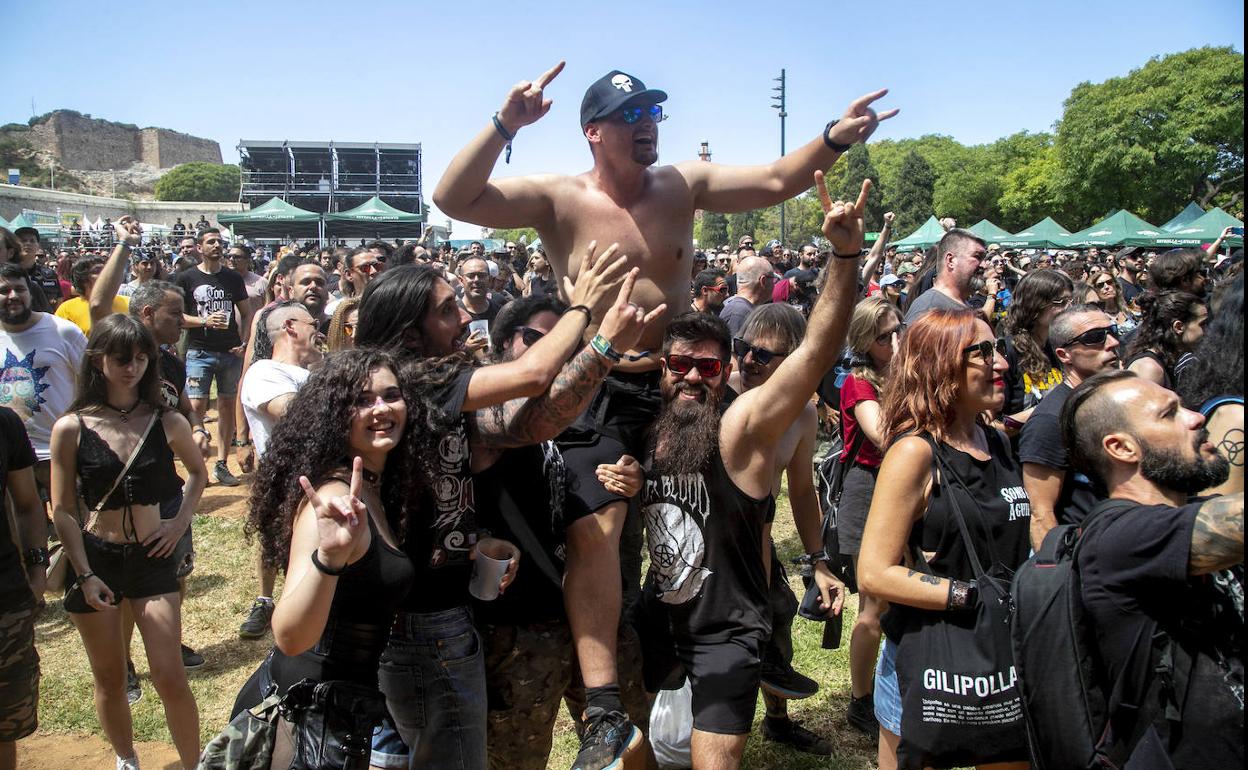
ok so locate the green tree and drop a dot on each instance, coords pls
(803, 217)
(515, 234)
(742, 223)
(857, 168)
(1029, 193)
(199, 182)
(1164, 134)
(912, 193)
(714, 230)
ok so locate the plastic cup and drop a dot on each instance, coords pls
(493, 558)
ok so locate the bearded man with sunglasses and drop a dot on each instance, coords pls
(648, 210)
(709, 501)
(1085, 340)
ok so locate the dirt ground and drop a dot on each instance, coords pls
(86, 752)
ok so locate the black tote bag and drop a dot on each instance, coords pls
(961, 703)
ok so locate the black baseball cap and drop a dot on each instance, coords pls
(612, 91)
(27, 229)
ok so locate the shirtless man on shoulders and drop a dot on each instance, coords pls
(648, 211)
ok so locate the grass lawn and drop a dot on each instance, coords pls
(221, 590)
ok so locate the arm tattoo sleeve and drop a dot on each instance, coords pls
(1218, 535)
(526, 421)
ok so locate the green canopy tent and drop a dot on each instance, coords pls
(928, 234)
(1204, 230)
(45, 231)
(374, 218)
(988, 231)
(1189, 214)
(1121, 228)
(1042, 235)
(5, 223)
(275, 218)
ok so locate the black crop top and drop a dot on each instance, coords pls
(151, 479)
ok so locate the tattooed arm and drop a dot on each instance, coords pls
(1218, 535)
(1226, 433)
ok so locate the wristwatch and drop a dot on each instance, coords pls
(36, 556)
(837, 146)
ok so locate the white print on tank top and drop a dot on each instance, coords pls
(674, 525)
(1020, 505)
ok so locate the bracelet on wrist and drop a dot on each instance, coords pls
(827, 140)
(602, 346)
(846, 256)
(203, 430)
(503, 132)
(84, 577)
(962, 595)
(326, 570)
(589, 314)
(238, 443)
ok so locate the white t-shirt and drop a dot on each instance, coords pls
(38, 374)
(264, 381)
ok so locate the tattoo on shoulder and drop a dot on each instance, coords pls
(1218, 534)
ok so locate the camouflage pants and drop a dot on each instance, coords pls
(19, 672)
(528, 670)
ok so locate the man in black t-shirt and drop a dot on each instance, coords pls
(477, 301)
(22, 583)
(45, 288)
(1157, 563)
(1085, 340)
(215, 341)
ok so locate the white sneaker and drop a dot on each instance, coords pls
(128, 764)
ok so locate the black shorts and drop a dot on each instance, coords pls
(184, 551)
(723, 673)
(851, 516)
(19, 671)
(126, 569)
(616, 423)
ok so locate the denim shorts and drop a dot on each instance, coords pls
(204, 365)
(433, 676)
(887, 691)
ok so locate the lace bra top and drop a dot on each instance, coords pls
(150, 480)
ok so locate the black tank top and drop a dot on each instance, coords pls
(1167, 376)
(706, 560)
(366, 600)
(150, 480)
(993, 501)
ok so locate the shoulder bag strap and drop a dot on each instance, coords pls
(95, 512)
(958, 517)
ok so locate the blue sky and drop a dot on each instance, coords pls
(435, 72)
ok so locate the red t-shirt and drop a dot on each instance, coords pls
(854, 391)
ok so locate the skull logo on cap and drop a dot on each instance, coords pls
(623, 82)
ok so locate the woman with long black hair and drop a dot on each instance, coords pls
(116, 445)
(1172, 327)
(1033, 369)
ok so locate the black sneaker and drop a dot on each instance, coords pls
(191, 660)
(861, 716)
(609, 736)
(257, 623)
(787, 683)
(134, 691)
(793, 735)
(221, 472)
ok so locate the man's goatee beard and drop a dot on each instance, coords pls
(685, 435)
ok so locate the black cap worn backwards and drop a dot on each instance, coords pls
(612, 91)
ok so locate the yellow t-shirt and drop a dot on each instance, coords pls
(78, 311)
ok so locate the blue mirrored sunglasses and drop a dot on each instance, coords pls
(631, 115)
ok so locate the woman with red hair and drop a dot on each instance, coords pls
(942, 463)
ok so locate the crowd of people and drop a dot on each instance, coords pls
(407, 416)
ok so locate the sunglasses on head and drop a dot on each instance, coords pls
(762, 356)
(986, 349)
(681, 365)
(1094, 337)
(631, 115)
(530, 335)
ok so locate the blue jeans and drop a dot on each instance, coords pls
(433, 676)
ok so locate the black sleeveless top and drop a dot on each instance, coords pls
(991, 497)
(1167, 378)
(706, 560)
(366, 600)
(150, 480)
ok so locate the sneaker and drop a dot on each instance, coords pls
(609, 736)
(191, 660)
(134, 691)
(787, 683)
(257, 623)
(222, 473)
(861, 716)
(793, 735)
(128, 764)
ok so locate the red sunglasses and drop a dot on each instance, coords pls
(707, 367)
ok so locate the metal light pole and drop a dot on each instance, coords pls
(777, 102)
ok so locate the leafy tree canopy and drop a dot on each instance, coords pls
(199, 182)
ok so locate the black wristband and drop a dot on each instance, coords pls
(846, 256)
(589, 314)
(962, 595)
(327, 570)
(827, 140)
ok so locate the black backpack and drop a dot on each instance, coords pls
(1059, 671)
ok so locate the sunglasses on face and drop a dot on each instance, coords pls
(762, 356)
(985, 349)
(721, 289)
(530, 335)
(631, 115)
(1103, 284)
(681, 365)
(370, 267)
(887, 337)
(1094, 337)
